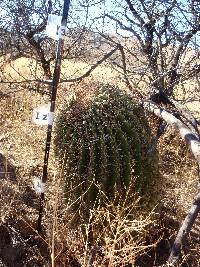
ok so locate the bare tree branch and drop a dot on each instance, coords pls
(184, 231)
(192, 139)
(135, 13)
(161, 129)
(93, 67)
(127, 29)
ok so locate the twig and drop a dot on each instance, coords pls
(93, 67)
(86, 74)
(27, 81)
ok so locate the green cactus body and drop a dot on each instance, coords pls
(112, 174)
(95, 168)
(69, 165)
(130, 130)
(104, 146)
(125, 158)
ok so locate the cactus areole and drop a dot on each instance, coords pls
(102, 145)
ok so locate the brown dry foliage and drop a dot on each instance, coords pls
(121, 235)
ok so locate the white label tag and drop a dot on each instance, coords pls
(42, 115)
(50, 118)
(39, 186)
(53, 26)
(61, 32)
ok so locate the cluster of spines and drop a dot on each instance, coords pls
(103, 147)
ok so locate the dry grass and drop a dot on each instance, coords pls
(123, 239)
(20, 69)
(114, 235)
(111, 237)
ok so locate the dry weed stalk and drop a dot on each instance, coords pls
(113, 235)
(116, 234)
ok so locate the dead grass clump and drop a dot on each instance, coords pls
(112, 236)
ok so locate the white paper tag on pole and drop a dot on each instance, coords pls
(53, 26)
(50, 118)
(61, 32)
(39, 186)
(42, 115)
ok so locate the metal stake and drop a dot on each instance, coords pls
(55, 82)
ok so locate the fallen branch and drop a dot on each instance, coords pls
(193, 140)
(186, 114)
(162, 97)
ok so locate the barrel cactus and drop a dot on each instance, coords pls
(102, 145)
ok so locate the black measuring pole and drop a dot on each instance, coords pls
(55, 81)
